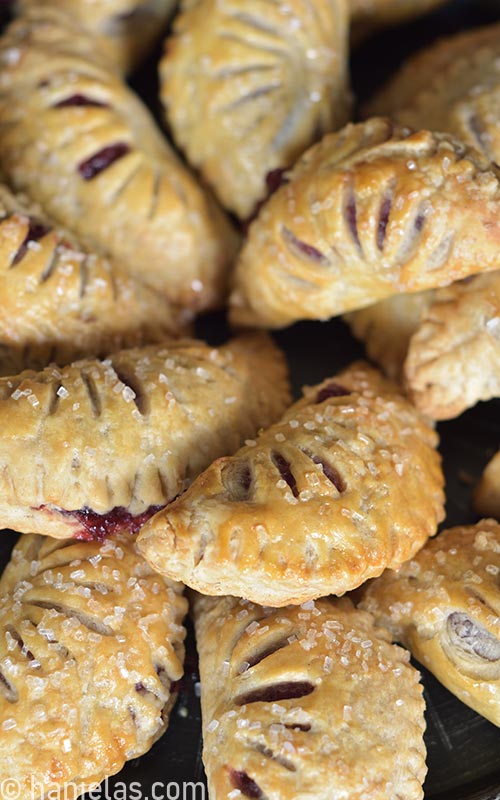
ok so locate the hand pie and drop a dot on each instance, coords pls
(444, 605)
(60, 302)
(454, 357)
(370, 15)
(75, 138)
(348, 483)
(386, 328)
(91, 648)
(130, 27)
(367, 213)
(249, 84)
(487, 492)
(452, 86)
(306, 703)
(101, 445)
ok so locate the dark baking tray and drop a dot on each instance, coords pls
(463, 748)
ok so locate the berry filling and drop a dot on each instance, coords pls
(103, 159)
(97, 527)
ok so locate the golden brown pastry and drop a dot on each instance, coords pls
(91, 648)
(452, 86)
(101, 445)
(444, 605)
(453, 359)
(369, 15)
(75, 138)
(348, 483)
(487, 492)
(386, 328)
(367, 213)
(130, 27)
(249, 84)
(60, 302)
(302, 703)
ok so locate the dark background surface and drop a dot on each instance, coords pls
(463, 748)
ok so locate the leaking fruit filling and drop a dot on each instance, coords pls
(97, 527)
(289, 690)
(101, 160)
(242, 781)
(36, 231)
(80, 100)
(331, 390)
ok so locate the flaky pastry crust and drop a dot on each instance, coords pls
(369, 212)
(444, 605)
(100, 445)
(306, 704)
(386, 328)
(60, 302)
(487, 492)
(346, 484)
(77, 140)
(91, 648)
(248, 85)
(452, 86)
(453, 359)
(130, 27)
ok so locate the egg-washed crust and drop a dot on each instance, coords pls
(453, 359)
(99, 445)
(91, 648)
(346, 484)
(367, 213)
(487, 492)
(248, 85)
(386, 328)
(371, 15)
(444, 605)
(60, 302)
(130, 28)
(452, 86)
(304, 703)
(79, 142)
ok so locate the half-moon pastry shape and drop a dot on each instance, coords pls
(98, 446)
(444, 605)
(369, 212)
(346, 484)
(91, 649)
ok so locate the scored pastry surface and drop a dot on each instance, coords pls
(91, 648)
(303, 703)
(347, 483)
(453, 359)
(369, 212)
(98, 445)
(452, 86)
(130, 27)
(79, 142)
(60, 302)
(248, 85)
(444, 605)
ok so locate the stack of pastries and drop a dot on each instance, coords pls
(137, 460)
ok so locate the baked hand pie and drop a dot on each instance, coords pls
(367, 213)
(386, 328)
(79, 142)
(444, 605)
(347, 483)
(249, 84)
(98, 446)
(130, 27)
(311, 702)
(91, 649)
(487, 492)
(60, 302)
(452, 86)
(453, 359)
(370, 15)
